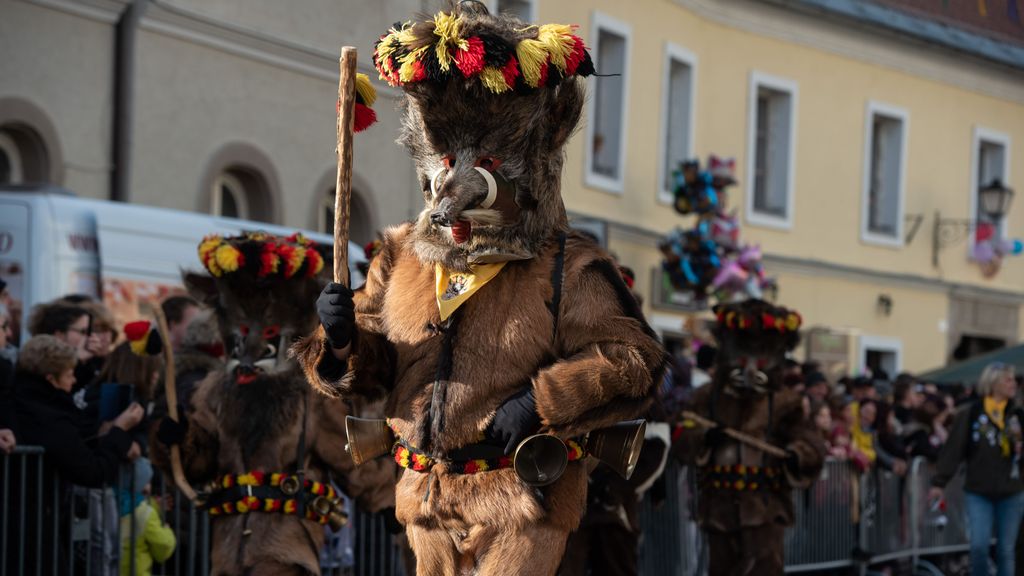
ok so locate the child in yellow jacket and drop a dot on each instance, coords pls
(152, 540)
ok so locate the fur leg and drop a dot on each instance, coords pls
(534, 551)
(435, 553)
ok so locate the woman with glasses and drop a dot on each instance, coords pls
(986, 436)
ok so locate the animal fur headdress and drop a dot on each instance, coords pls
(259, 289)
(490, 103)
(753, 339)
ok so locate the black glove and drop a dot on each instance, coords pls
(170, 432)
(715, 436)
(337, 314)
(516, 419)
(792, 462)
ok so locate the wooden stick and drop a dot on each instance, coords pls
(343, 185)
(737, 435)
(172, 403)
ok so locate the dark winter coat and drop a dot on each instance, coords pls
(6, 393)
(48, 417)
(976, 441)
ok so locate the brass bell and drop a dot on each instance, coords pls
(290, 485)
(540, 459)
(368, 438)
(322, 506)
(337, 520)
(618, 445)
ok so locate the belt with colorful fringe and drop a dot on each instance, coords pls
(408, 456)
(741, 478)
(258, 491)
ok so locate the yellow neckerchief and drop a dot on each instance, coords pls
(996, 410)
(454, 288)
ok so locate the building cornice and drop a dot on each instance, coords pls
(873, 46)
(104, 11)
(187, 25)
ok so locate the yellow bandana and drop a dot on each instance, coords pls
(996, 411)
(454, 288)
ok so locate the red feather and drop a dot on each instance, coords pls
(365, 117)
(136, 330)
(471, 60)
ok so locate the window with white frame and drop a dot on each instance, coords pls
(881, 355)
(606, 130)
(229, 196)
(991, 151)
(771, 150)
(885, 161)
(677, 128)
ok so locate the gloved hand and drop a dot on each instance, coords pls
(170, 432)
(715, 436)
(514, 420)
(792, 462)
(337, 314)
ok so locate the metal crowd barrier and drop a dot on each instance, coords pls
(845, 520)
(49, 526)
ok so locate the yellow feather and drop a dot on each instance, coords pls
(447, 28)
(365, 89)
(532, 55)
(494, 80)
(557, 39)
(407, 70)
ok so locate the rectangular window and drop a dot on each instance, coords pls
(991, 150)
(771, 150)
(885, 161)
(606, 130)
(677, 112)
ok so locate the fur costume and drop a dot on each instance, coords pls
(745, 494)
(247, 417)
(557, 318)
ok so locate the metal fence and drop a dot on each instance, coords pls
(845, 520)
(49, 526)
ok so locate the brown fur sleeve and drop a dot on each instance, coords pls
(798, 433)
(201, 445)
(371, 484)
(610, 357)
(368, 371)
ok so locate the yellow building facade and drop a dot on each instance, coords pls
(856, 139)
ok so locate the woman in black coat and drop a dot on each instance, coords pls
(46, 416)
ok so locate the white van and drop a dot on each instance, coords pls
(53, 244)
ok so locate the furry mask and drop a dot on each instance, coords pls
(259, 290)
(753, 339)
(490, 102)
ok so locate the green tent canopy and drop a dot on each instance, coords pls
(968, 371)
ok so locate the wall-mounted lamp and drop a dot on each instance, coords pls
(995, 201)
(884, 304)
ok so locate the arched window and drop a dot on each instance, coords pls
(240, 182)
(360, 230)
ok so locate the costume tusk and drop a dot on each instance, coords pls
(492, 188)
(433, 182)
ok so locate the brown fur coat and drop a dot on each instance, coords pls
(594, 368)
(232, 430)
(787, 427)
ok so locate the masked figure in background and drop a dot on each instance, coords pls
(256, 440)
(486, 321)
(745, 498)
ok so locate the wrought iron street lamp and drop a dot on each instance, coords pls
(995, 200)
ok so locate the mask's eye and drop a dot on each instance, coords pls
(489, 163)
(448, 161)
(271, 332)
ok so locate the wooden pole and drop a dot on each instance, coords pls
(343, 185)
(172, 403)
(737, 435)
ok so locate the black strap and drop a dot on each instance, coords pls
(557, 276)
(439, 397)
(300, 463)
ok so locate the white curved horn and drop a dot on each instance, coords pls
(492, 188)
(433, 182)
